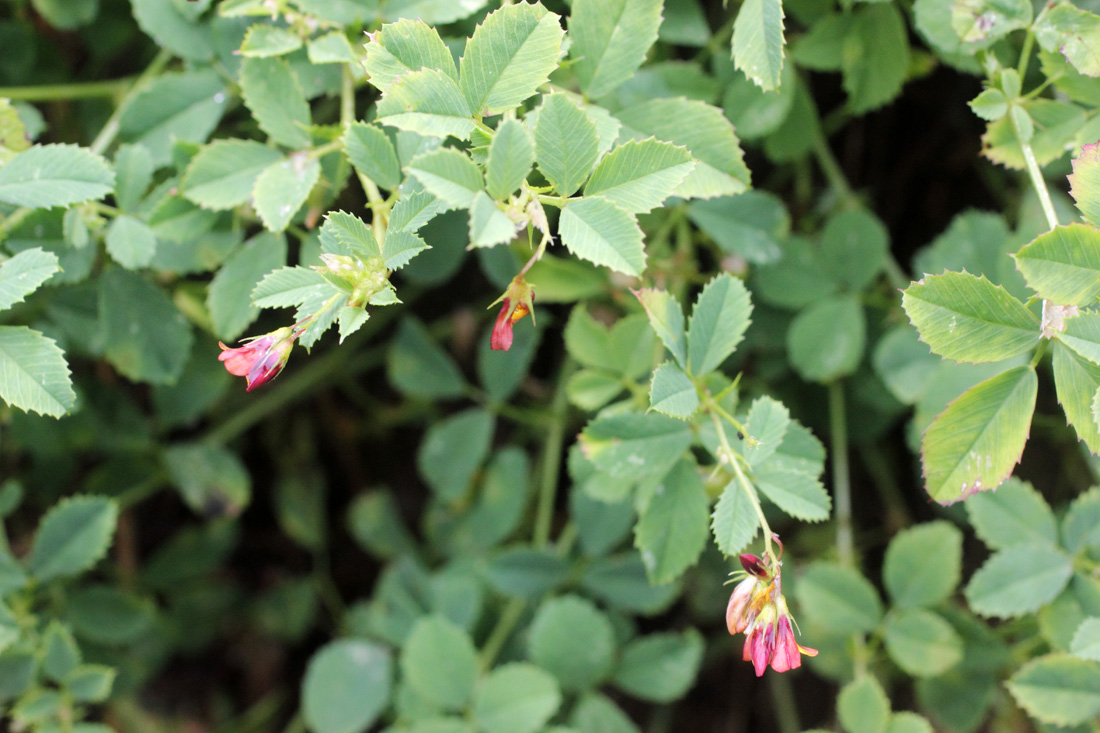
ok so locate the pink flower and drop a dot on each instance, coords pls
(757, 608)
(518, 301)
(260, 359)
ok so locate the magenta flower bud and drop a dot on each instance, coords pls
(753, 565)
(262, 358)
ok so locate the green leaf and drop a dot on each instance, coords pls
(875, 59)
(1058, 689)
(174, 107)
(511, 155)
(1076, 379)
(1015, 514)
(400, 247)
(923, 564)
(853, 248)
(282, 188)
(609, 41)
(1074, 33)
(133, 173)
(838, 598)
(904, 364)
(969, 319)
(147, 338)
(489, 225)
(516, 698)
(660, 667)
(922, 643)
(639, 176)
(795, 492)
(595, 713)
(61, 652)
(72, 537)
(106, 615)
(862, 706)
(526, 572)
(55, 175)
(346, 233)
(1055, 126)
(347, 686)
(1081, 524)
(224, 173)
(632, 445)
(272, 92)
(667, 319)
(734, 521)
(986, 20)
(758, 42)
(591, 389)
(1018, 580)
(621, 582)
(375, 522)
(418, 367)
(440, 662)
(1084, 183)
(67, 14)
(229, 297)
(369, 149)
(767, 424)
(990, 105)
(428, 102)
(719, 169)
(566, 143)
(973, 445)
(511, 54)
(602, 232)
(672, 530)
(1063, 265)
(287, 286)
(22, 274)
(672, 393)
(405, 46)
(174, 29)
(130, 242)
(1082, 335)
(449, 175)
(209, 478)
(1086, 640)
(624, 349)
(718, 323)
(90, 682)
(826, 340)
(753, 225)
(331, 48)
(412, 212)
(573, 640)
(264, 40)
(453, 450)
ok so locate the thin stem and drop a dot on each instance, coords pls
(842, 489)
(784, 703)
(551, 461)
(12, 221)
(720, 38)
(895, 272)
(1025, 54)
(110, 130)
(742, 479)
(509, 617)
(831, 168)
(1037, 179)
(75, 90)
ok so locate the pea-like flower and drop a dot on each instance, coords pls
(263, 357)
(518, 301)
(757, 608)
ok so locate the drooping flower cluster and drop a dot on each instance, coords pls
(519, 300)
(757, 608)
(262, 358)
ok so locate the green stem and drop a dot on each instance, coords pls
(12, 221)
(1025, 54)
(719, 39)
(842, 489)
(509, 617)
(784, 703)
(831, 168)
(75, 90)
(551, 460)
(1037, 179)
(895, 272)
(110, 130)
(743, 480)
